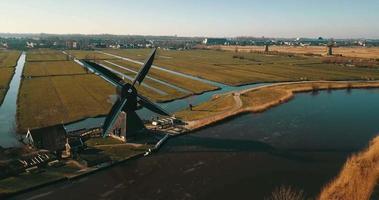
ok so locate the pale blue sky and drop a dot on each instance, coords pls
(223, 18)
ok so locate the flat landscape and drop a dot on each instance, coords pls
(45, 55)
(242, 68)
(80, 54)
(358, 52)
(9, 58)
(48, 68)
(73, 94)
(54, 92)
(8, 61)
(47, 101)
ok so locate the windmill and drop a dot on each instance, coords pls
(330, 46)
(129, 100)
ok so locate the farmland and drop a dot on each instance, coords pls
(79, 54)
(194, 86)
(52, 68)
(241, 68)
(55, 91)
(8, 58)
(358, 52)
(45, 55)
(46, 101)
(8, 61)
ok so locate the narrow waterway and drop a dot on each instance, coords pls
(8, 110)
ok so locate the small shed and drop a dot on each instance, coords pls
(51, 138)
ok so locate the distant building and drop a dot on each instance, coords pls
(30, 44)
(72, 44)
(215, 41)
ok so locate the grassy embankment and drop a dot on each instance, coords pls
(8, 61)
(357, 178)
(258, 99)
(26, 180)
(241, 68)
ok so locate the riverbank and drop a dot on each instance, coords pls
(91, 161)
(7, 71)
(358, 176)
(257, 100)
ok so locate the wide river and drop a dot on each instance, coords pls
(302, 143)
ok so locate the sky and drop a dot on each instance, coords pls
(205, 18)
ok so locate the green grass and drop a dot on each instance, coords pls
(45, 55)
(8, 58)
(52, 68)
(241, 68)
(48, 101)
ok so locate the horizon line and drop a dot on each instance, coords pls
(181, 36)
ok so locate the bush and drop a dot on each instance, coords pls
(286, 193)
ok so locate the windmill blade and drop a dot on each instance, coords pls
(113, 114)
(145, 69)
(104, 72)
(151, 106)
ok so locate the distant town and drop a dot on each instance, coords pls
(88, 42)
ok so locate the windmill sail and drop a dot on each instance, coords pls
(151, 106)
(145, 69)
(113, 114)
(104, 72)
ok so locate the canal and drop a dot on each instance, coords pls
(302, 143)
(8, 110)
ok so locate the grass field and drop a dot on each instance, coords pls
(195, 87)
(240, 68)
(8, 61)
(6, 75)
(48, 101)
(2, 95)
(45, 55)
(171, 92)
(213, 107)
(52, 68)
(8, 58)
(81, 54)
(359, 52)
